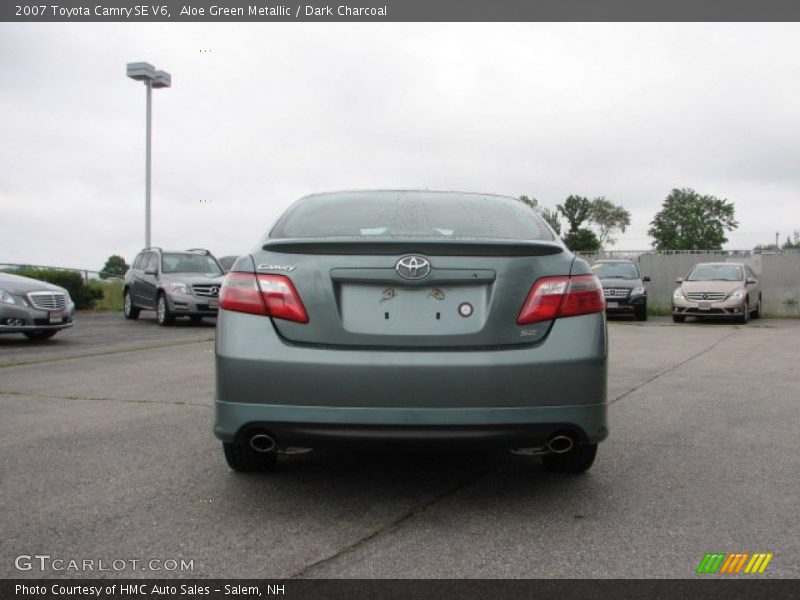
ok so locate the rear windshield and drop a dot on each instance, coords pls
(716, 273)
(411, 214)
(189, 263)
(615, 270)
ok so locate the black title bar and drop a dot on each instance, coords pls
(397, 10)
(709, 588)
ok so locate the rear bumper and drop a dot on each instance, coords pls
(502, 427)
(307, 394)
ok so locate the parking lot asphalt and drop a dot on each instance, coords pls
(106, 453)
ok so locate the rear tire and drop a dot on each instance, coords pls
(128, 308)
(163, 315)
(679, 318)
(577, 460)
(40, 334)
(243, 459)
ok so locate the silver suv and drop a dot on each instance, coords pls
(174, 284)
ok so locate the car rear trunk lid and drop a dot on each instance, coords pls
(355, 296)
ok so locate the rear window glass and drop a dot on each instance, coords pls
(427, 215)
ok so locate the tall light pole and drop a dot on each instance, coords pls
(142, 71)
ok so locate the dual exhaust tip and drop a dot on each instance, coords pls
(560, 443)
(262, 442)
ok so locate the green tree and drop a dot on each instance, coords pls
(115, 267)
(551, 216)
(609, 219)
(576, 210)
(582, 240)
(689, 221)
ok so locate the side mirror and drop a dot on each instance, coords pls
(679, 280)
(751, 280)
(150, 272)
(646, 278)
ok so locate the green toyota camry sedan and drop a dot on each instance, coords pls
(411, 319)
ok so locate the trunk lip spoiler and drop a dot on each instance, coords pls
(396, 246)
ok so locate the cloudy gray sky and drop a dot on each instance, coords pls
(270, 112)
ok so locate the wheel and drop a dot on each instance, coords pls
(244, 459)
(577, 460)
(745, 316)
(163, 314)
(641, 313)
(757, 312)
(679, 318)
(196, 318)
(128, 309)
(40, 334)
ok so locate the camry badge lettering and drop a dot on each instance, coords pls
(413, 267)
(285, 268)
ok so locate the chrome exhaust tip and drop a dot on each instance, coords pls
(262, 442)
(560, 443)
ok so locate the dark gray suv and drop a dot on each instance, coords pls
(174, 284)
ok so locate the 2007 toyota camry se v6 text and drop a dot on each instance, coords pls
(414, 319)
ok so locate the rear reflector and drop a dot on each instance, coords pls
(555, 297)
(269, 295)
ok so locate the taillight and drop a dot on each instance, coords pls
(269, 295)
(281, 298)
(554, 297)
(584, 296)
(240, 293)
